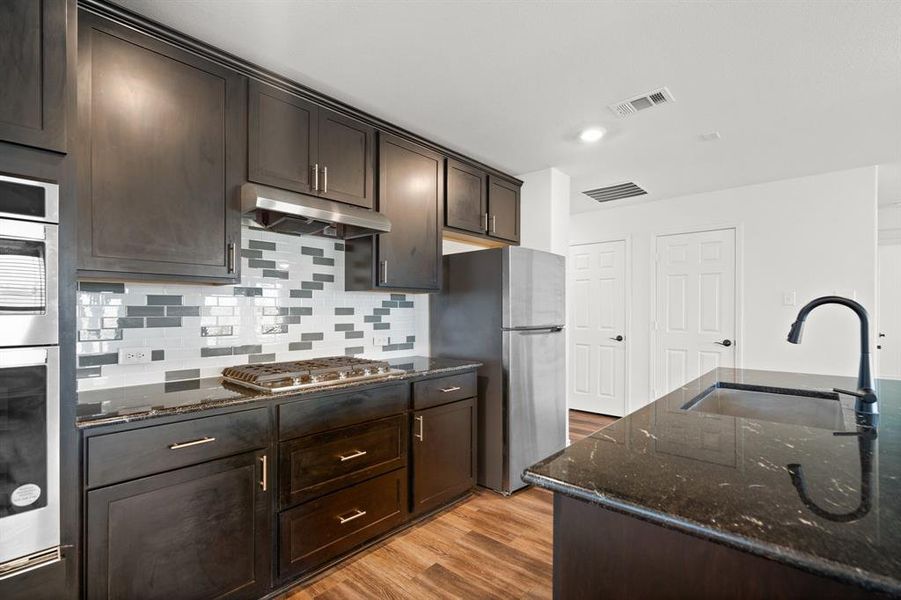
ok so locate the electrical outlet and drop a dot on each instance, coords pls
(789, 298)
(134, 356)
(380, 340)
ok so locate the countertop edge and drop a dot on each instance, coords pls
(805, 562)
(90, 423)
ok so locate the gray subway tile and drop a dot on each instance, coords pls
(181, 386)
(247, 291)
(302, 310)
(405, 304)
(306, 250)
(381, 325)
(129, 322)
(300, 346)
(216, 330)
(245, 253)
(339, 246)
(258, 245)
(258, 358)
(381, 311)
(87, 372)
(350, 351)
(100, 286)
(326, 262)
(216, 351)
(411, 338)
(162, 300)
(157, 355)
(273, 329)
(99, 335)
(247, 349)
(311, 285)
(406, 346)
(182, 374)
(344, 311)
(292, 320)
(275, 274)
(323, 277)
(145, 311)
(344, 326)
(257, 263)
(398, 296)
(311, 337)
(163, 321)
(353, 335)
(183, 311)
(389, 304)
(301, 294)
(95, 360)
(372, 319)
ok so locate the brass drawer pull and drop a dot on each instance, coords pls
(357, 514)
(179, 445)
(451, 389)
(352, 455)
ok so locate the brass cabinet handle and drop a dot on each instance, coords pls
(419, 436)
(356, 515)
(203, 440)
(232, 257)
(493, 223)
(451, 389)
(324, 180)
(352, 455)
(316, 177)
(264, 482)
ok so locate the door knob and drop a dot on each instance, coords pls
(725, 343)
(618, 338)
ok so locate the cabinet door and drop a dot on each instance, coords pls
(197, 532)
(411, 195)
(345, 159)
(33, 73)
(281, 139)
(466, 205)
(503, 209)
(162, 142)
(444, 453)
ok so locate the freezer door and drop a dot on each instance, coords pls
(535, 399)
(534, 288)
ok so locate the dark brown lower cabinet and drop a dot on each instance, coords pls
(318, 531)
(196, 532)
(444, 453)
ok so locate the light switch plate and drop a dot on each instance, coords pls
(789, 298)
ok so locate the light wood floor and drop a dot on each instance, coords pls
(583, 424)
(488, 546)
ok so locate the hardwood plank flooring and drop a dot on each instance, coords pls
(488, 546)
(582, 424)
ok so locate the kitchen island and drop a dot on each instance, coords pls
(714, 490)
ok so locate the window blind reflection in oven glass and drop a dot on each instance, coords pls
(23, 279)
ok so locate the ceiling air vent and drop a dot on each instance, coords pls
(615, 192)
(642, 102)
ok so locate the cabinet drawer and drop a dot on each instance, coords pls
(317, 464)
(315, 532)
(331, 411)
(131, 454)
(442, 390)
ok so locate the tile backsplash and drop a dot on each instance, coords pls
(290, 305)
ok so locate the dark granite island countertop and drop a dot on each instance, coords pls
(729, 479)
(134, 403)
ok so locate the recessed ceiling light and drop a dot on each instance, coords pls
(592, 134)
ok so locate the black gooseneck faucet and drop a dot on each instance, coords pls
(866, 392)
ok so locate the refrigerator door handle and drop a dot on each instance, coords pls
(548, 328)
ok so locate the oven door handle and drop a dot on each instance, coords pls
(22, 357)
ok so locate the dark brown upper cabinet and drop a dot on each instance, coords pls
(33, 77)
(503, 209)
(411, 195)
(300, 146)
(162, 145)
(466, 205)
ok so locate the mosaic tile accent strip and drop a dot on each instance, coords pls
(289, 305)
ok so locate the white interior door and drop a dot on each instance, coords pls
(889, 312)
(695, 307)
(597, 328)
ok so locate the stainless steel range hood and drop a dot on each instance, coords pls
(297, 214)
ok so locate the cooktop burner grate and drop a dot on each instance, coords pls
(300, 374)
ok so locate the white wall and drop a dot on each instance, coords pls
(544, 211)
(812, 236)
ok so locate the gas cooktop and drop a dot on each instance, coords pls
(303, 374)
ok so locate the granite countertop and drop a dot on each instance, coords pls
(730, 479)
(133, 403)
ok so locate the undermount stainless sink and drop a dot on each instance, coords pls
(824, 411)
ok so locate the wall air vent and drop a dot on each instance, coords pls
(642, 102)
(615, 192)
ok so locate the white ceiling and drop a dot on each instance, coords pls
(794, 88)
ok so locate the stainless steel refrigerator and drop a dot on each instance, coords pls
(506, 307)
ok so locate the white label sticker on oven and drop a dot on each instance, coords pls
(25, 495)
